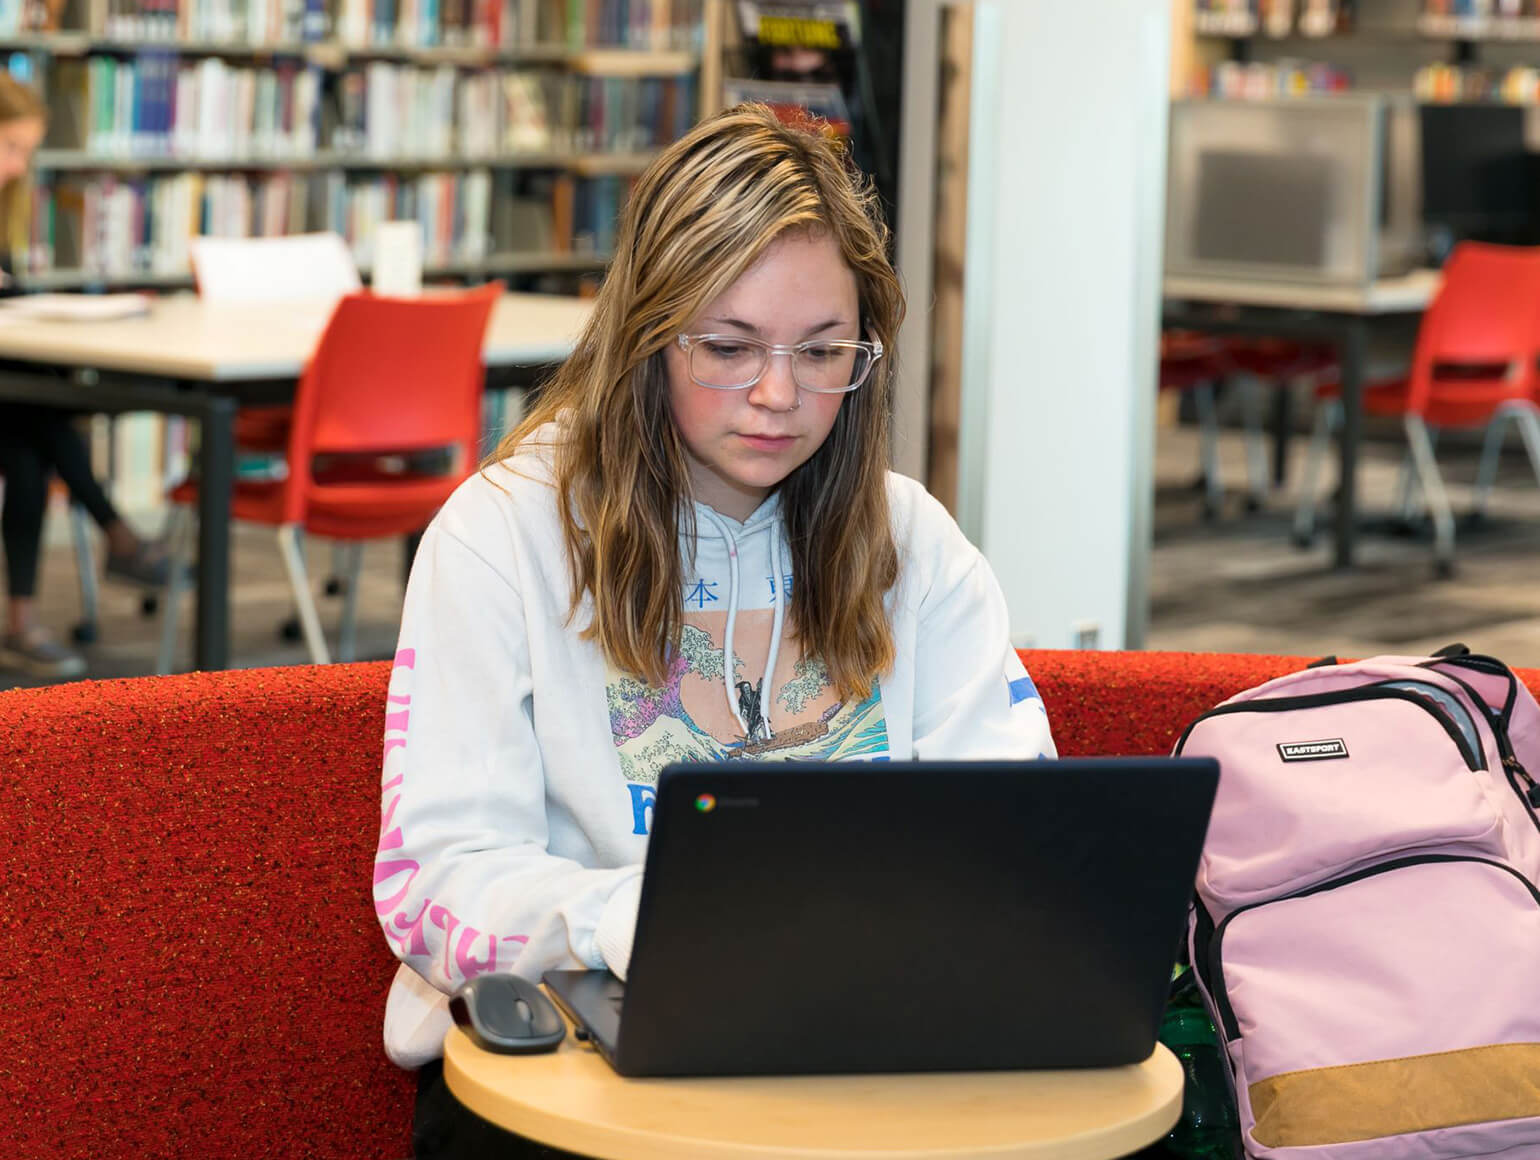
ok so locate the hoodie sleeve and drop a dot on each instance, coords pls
(972, 695)
(463, 881)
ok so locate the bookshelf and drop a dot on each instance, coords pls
(1439, 51)
(1436, 50)
(510, 130)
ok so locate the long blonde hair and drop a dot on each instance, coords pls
(18, 102)
(700, 216)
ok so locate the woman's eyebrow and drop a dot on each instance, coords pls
(740, 324)
(823, 326)
(735, 322)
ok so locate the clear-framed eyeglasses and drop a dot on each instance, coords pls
(825, 366)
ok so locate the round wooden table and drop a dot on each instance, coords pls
(571, 1099)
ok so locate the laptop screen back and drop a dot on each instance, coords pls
(947, 916)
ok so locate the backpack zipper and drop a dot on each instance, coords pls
(1529, 792)
(1215, 978)
(1376, 690)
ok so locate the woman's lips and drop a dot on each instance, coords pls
(768, 442)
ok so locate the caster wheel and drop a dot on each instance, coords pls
(1302, 540)
(1253, 505)
(333, 586)
(1443, 569)
(290, 630)
(149, 604)
(84, 633)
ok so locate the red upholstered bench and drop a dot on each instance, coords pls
(189, 955)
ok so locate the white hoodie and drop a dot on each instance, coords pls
(519, 766)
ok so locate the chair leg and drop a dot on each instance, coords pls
(85, 567)
(1491, 452)
(179, 528)
(1527, 418)
(352, 558)
(291, 546)
(1408, 496)
(1409, 505)
(1426, 465)
(1327, 415)
(335, 578)
(1252, 391)
(1208, 428)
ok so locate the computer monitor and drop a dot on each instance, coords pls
(1267, 209)
(1312, 190)
(1478, 180)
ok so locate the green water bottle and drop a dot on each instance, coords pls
(1209, 1127)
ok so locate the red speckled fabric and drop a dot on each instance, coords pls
(190, 961)
(1106, 703)
(1133, 703)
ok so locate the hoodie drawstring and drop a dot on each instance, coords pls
(777, 583)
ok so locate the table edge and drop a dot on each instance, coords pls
(603, 1142)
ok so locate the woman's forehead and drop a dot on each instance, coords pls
(799, 278)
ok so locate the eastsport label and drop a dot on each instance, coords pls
(1326, 750)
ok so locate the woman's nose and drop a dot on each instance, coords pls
(777, 388)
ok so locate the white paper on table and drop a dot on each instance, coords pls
(75, 307)
(290, 268)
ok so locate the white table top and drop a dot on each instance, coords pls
(1408, 293)
(573, 1100)
(184, 337)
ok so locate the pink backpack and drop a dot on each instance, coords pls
(1366, 932)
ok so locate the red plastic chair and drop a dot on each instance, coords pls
(1279, 360)
(269, 269)
(390, 380)
(1474, 365)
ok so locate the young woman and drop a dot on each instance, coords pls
(691, 549)
(37, 442)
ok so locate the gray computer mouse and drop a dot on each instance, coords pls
(508, 1014)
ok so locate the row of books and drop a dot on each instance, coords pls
(453, 211)
(243, 21)
(644, 24)
(119, 228)
(155, 104)
(1445, 84)
(1483, 9)
(1272, 17)
(1231, 80)
(126, 228)
(596, 213)
(387, 110)
(18, 16)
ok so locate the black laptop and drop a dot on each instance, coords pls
(918, 916)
